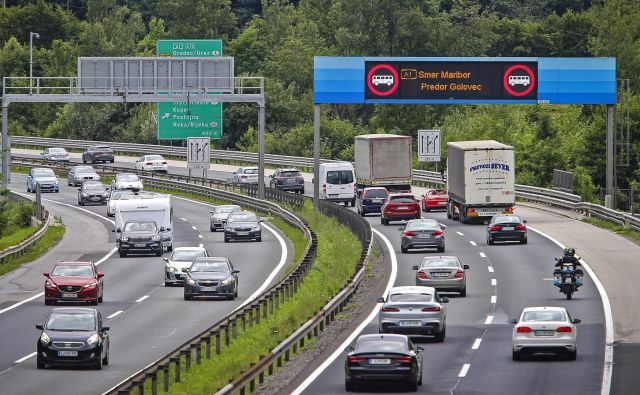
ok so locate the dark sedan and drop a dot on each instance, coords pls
(287, 180)
(93, 192)
(383, 358)
(211, 276)
(507, 227)
(73, 336)
(98, 153)
(242, 226)
(73, 282)
(371, 200)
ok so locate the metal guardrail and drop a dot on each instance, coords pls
(24, 246)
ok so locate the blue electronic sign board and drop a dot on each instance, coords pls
(464, 80)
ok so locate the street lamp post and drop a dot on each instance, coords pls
(31, 36)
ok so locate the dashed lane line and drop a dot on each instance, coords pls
(483, 255)
(117, 313)
(473, 243)
(33, 354)
(142, 298)
(490, 268)
(493, 299)
(464, 370)
(494, 281)
(460, 233)
(476, 344)
(488, 320)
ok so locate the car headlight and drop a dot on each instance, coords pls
(83, 194)
(44, 339)
(93, 339)
(191, 281)
(227, 281)
(155, 238)
(124, 238)
(55, 182)
(49, 284)
(171, 269)
(256, 229)
(90, 285)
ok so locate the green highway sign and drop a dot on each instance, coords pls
(179, 121)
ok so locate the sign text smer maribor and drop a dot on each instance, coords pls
(451, 80)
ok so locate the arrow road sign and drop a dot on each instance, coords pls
(429, 145)
(198, 152)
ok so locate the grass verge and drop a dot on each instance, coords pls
(17, 236)
(615, 228)
(51, 237)
(338, 254)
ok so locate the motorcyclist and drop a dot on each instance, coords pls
(569, 256)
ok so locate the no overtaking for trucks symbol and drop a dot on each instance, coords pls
(382, 80)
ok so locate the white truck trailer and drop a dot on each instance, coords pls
(383, 160)
(480, 180)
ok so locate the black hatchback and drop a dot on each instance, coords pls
(507, 227)
(73, 336)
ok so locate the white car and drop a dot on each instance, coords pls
(152, 163)
(545, 330)
(127, 181)
(55, 154)
(245, 175)
(116, 195)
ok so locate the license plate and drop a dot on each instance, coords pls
(67, 353)
(243, 233)
(544, 333)
(379, 361)
(440, 274)
(69, 295)
(140, 245)
(403, 208)
(508, 228)
(410, 323)
(208, 289)
(442, 203)
(95, 198)
(377, 200)
(423, 236)
(157, 167)
(333, 195)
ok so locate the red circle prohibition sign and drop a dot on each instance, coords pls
(395, 80)
(505, 80)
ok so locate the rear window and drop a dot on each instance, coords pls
(186, 255)
(507, 219)
(340, 177)
(422, 224)
(402, 199)
(440, 262)
(411, 297)
(155, 157)
(103, 149)
(293, 173)
(437, 192)
(250, 171)
(128, 177)
(544, 316)
(58, 150)
(381, 345)
(376, 193)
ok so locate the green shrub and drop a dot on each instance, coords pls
(4, 223)
(25, 212)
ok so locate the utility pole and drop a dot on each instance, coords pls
(31, 36)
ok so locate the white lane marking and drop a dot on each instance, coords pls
(476, 344)
(490, 268)
(142, 298)
(493, 299)
(117, 313)
(460, 233)
(276, 270)
(194, 228)
(200, 236)
(489, 320)
(340, 349)
(608, 319)
(494, 281)
(184, 219)
(548, 279)
(482, 254)
(104, 258)
(464, 370)
(473, 243)
(200, 245)
(33, 354)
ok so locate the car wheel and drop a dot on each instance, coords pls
(349, 386)
(84, 160)
(40, 363)
(490, 241)
(68, 183)
(100, 299)
(439, 338)
(236, 291)
(112, 160)
(425, 209)
(187, 297)
(211, 228)
(170, 248)
(48, 302)
(98, 365)
(516, 355)
(413, 385)
(420, 379)
(259, 239)
(463, 293)
(105, 361)
(353, 202)
(403, 249)
(573, 354)
(226, 239)
(159, 252)
(441, 249)
(123, 254)
(94, 302)
(231, 297)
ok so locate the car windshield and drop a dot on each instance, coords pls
(381, 345)
(410, 297)
(155, 157)
(242, 217)
(423, 225)
(43, 173)
(103, 149)
(210, 267)
(58, 150)
(128, 177)
(85, 170)
(440, 262)
(225, 209)
(140, 227)
(376, 193)
(72, 271)
(402, 199)
(92, 185)
(290, 173)
(437, 192)
(507, 219)
(251, 171)
(340, 177)
(71, 322)
(186, 255)
(544, 316)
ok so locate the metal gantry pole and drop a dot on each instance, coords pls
(5, 150)
(610, 169)
(31, 35)
(261, 151)
(316, 155)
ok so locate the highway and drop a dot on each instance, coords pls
(147, 320)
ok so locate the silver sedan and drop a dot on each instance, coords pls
(422, 233)
(444, 273)
(181, 257)
(413, 310)
(219, 215)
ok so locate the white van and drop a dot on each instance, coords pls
(149, 206)
(337, 182)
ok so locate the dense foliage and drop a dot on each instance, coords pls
(277, 39)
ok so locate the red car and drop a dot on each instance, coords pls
(398, 207)
(73, 282)
(434, 199)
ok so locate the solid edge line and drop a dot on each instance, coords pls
(464, 370)
(33, 354)
(607, 372)
(392, 278)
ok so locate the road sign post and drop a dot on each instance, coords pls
(178, 121)
(429, 146)
(198, 153)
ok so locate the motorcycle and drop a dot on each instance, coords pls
(567, 279)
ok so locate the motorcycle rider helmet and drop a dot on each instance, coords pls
(573, 251)
(567, 251)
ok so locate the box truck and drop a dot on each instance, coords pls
(480, 180)
(383, 160)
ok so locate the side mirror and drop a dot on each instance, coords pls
(162, 229)
(39, 326)
(419, 348)
(46, 274)
(348, 348)
(235, 271)
(380, 300)
(513, 321)
(106, 328)
(414, 267)
(118, 230)
(444, 299)
(100, 274)
(185, 270)
(465, 267)
(576, 321)
(524, 221)
(165, 259)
